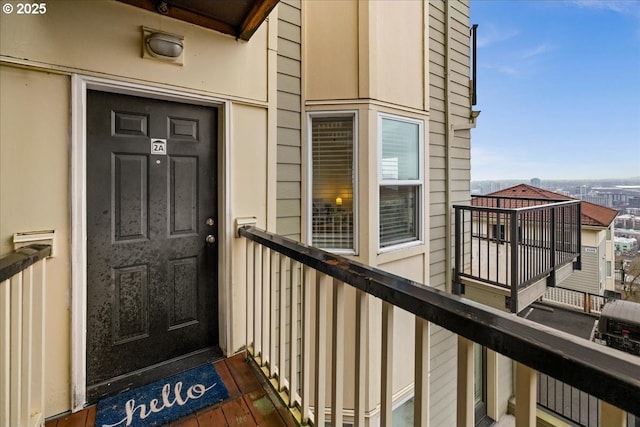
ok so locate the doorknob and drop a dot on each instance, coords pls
(209, 222)
(210, 239)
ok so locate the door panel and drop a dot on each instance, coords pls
(151, 277)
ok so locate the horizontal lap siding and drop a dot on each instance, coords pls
(587, 279)
(289, 151)
(444, 343)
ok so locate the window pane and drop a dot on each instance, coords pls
(398, 214)
(400, 152)
(332, 182)
(478, 389)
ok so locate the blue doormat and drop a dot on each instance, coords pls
(163, 401)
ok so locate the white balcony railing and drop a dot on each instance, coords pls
(298, 298)
(575, 300)
(22, 305)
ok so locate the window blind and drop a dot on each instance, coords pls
(332, 182)
(398, 214)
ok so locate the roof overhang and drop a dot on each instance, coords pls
(238, 18)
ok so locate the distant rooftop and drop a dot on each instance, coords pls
(592, 214)
(573, 322)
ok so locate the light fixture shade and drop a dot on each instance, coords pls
(163, 45)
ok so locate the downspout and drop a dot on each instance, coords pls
(447, 149)
(450, 129)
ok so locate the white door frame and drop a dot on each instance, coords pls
(79, 86)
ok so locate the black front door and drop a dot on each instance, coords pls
(151, 227)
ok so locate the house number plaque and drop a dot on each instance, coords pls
(159, 146)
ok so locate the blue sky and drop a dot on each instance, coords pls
(559, 89)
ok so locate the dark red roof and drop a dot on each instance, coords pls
(592, 214)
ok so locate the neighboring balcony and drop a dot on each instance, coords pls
(508, 250)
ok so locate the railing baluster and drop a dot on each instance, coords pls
(610, 416)
(16, 350)
(282, 322)
(337, 359)
(322, 284)
(293, 332)
(309, 278)
(257, 303)
(266, 296)
(27, 343)
(272, 304)
(362, 310)
(250, 306)
(386, 398)
(38, 357)
(421, 376)
(526, 382)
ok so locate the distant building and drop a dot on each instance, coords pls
(597, 240)
(535, 182)
(625, 244)
(628, 222)
(597, 199)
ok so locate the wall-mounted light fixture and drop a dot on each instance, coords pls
(162, 45)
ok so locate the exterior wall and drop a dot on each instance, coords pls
(34, 185)
(289, 176)
(103, 39)
(591, 278)
(399, 72)
(332, 36)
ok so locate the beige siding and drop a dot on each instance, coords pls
(289, 179)
(444, 354)
(587, 279)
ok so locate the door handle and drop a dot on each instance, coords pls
(210, 239)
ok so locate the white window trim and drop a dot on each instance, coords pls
(419, 182)
(309, 201)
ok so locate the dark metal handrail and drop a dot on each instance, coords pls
(523, 199)
(21, 259)
(608, 374)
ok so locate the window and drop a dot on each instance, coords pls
(498, 235)
(332, 182)
(401, 177)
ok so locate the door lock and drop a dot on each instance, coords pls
(209, 222)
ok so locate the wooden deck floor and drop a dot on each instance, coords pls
(251, 402)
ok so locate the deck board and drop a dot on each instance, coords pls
(251, 402)
(237, 413)
(212, 416)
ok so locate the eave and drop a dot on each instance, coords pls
(237, 18)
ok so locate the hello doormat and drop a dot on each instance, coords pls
(163, 401)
